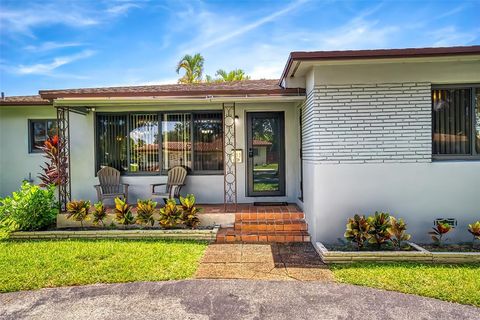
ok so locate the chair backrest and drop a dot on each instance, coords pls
(109, 179)
(176, 176)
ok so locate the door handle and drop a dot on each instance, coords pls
(250, 152)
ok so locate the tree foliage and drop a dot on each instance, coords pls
(193, 68)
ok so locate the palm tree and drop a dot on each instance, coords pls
(234, 75)
(193, 67)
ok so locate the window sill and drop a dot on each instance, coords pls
(455, 158)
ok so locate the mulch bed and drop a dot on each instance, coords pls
(460, 247)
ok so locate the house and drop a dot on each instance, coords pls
(341, 132)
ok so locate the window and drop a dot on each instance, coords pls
(39, 132)
(152, 143)
(456, 122)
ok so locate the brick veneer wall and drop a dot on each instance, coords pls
(361, 123)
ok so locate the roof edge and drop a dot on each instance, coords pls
(376, 54)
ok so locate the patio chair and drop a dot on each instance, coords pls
(110, 186)
(175, 182)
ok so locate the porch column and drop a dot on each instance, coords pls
(230, 165)
(63, 159)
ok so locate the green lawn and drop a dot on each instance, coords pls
(455, 283)
(270, 166)
(28, 265)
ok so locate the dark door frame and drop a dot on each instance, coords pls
(249, 154)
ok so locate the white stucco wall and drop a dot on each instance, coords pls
(343, 177)
(16, 162)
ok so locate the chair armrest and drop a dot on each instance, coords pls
(156, 185)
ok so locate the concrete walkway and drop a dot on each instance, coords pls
(295, 261)
(226, 299)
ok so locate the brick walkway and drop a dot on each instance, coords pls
(277, 261)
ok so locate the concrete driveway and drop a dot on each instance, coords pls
(226, 299)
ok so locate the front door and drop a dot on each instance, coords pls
(266, 154)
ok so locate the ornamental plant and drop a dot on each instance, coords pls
(145, 211)
(474, 229)
(99, 214)
(398, 232)
(31, 208)
(170, 215)
(189, 211)
(358, 230)
(441, 229)
(123, 212)
(380, 228)
(52, 173)
(78, 210)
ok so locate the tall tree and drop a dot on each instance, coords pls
(234, 75)
(193, 67)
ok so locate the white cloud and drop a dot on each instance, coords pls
(215, 28)
(48, 68)
(121, 9)
(238, 31)
(450, 36)
(51, 45)
(24, 20)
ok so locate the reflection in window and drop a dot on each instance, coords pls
(451, 121)
(40, 131)
(112, 142)
(176, 140)
(477, 121)
(144, 143)
(208, 146)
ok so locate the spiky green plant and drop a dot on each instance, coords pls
(78, 210)
(441, 229)
(398, 232)
(170, 215)
(474, 229)
(379, 231)
(357, 230)
(189, 211)
(99, 214)
(123, 212)
(145, 211)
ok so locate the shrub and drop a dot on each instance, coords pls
(50, 173)
(170, 215)
(474, 229)
(30, 208)
(358, 230)
(379, 231)
(398, 232)
(78, 210)
(99, 214)
(439, 231)
(189, 214)
(145, 211)
(123, 212)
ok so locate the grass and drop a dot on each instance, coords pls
(454, 283)
(270, 166)
(26, 265)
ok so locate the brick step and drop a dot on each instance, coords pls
(229, 235)
(271, 225)
(246, 216)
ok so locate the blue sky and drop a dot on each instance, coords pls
(89, 43)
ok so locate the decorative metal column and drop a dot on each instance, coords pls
(230, 166)
(63, 161)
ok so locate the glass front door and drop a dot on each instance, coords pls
(266, 154)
